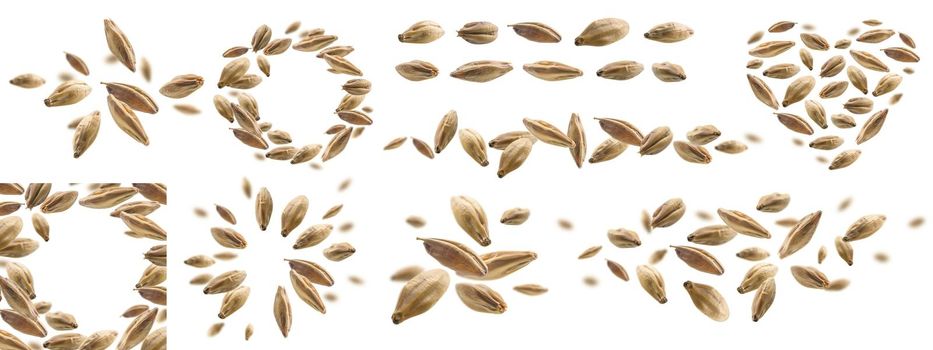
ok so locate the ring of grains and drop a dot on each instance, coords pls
(245, 110)
(17, 287)
(229, 287)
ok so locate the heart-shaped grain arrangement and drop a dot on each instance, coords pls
(814, 85)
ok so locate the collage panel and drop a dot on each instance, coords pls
(85, 265)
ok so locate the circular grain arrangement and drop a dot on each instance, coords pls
(18, 288)
(231, 287)
(245, 111)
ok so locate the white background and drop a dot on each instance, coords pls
(89, 267)
(204, 165)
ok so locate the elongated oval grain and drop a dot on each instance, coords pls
(844, 159)
(514, 156)
(294, 214)
(137, 330)
(742, 223)
(875, 36)
(834, 89)
(119, 45)
(668, 72)
(551, 71)
(800, 234)
(481, 298)
(422, 32)
(503, 263)
(313, 272)
(887, 84)
(85, 133)
(478, 32)
(844, 249)
(621, 130)
(24, 324)
(620, 70)
(869, 61)
(340, 65)
(537, 32)
(708, 300)
(547, 133)
(233, 301)
(313, 236)
(59, 201)
(282, 311)
(795, 123)
(762, 91)
(445, 131)
(864, 227)
(602, 32)
(781, 71)
(127, 120)
(68, 93)
(699, 259)
(578, 138)
(456, 256)
(481, 71)
(617, 269)
(755, 276)
(764, 297)
(692, 153)
(781, 26)
(832, 66)
(806, 58)
(471, 218)
(306, 291)
(816, 112)
(668, 213)
(901, 54)
(607, 150)
(474, 146)
(144, 226)
(872, 126)
(27, 81)
(420, 294)
(773, 203)
(417, 70)
(814, 41)
(652, 282)
(233, 71)
(228, 238)
(771, 48)
(423, 148)
(670, 32)
(712, 235)
(753, 254)
(133, 96)
(225, 282)
(656, 141)
(314, 43)
(623, 238)
(261, 37)
(530, 289)
(798, 90)
(809, 277)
